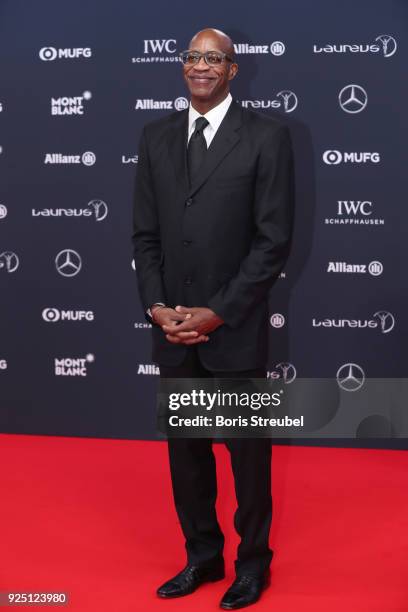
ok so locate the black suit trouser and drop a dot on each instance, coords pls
(193, 474)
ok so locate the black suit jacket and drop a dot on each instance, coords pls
(220, 242)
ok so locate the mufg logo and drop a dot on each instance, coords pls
(48, 54)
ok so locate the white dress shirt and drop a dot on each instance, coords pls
(214, 118)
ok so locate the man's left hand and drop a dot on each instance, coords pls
(202, 320)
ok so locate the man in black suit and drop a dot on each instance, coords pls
(212, 228)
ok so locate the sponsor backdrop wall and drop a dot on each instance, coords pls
(78, 81)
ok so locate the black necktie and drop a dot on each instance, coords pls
(197, 148)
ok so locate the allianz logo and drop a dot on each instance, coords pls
(147, 369)
(88, 158)
(382, 320)
(375, 268)
(180, 103)
(276, 48)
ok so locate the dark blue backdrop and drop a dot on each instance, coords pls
(82, 78)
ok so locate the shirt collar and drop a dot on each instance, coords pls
(214, 116)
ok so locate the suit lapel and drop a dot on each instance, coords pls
(223, 142)
(177, 146)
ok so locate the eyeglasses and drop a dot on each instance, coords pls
(212, 58)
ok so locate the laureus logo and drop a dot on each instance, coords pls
(100, 209)
(283, 371)
(388, 44)
(9, 261)
(386, 320)
(383, 44)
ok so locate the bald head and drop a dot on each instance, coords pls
(208, 81)
(217, 38)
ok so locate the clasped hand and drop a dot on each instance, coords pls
(184, 325)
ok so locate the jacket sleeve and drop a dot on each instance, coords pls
(273, 218)
(146, 236)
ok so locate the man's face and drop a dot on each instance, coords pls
(208, 82)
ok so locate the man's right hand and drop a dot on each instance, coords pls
(163, 315)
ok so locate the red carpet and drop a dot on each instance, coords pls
(95, 518)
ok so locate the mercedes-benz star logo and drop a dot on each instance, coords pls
(353, 99)
(68, 262)
(350, 377)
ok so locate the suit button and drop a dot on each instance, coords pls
(189, 202)
(186, 242)
(188, 280)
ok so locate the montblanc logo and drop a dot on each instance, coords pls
(384, 45)
(354, 212)
(334, 157)
(69, 105)
(148, 369)
(158, 50)
(375, 268)
(353, 99)
(73, 366)
(130, 159)
(284, 100)
(179, 104)
(283, 371)
(9, 261)
(88, 158)
(55, 315)
(3, 211)
(381, 320)
(48, 54)
(276, 48)
(3, 364)
(97, 209)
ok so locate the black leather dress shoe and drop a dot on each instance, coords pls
(189, 579)
(245, 590)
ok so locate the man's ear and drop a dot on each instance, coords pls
(232, 71)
